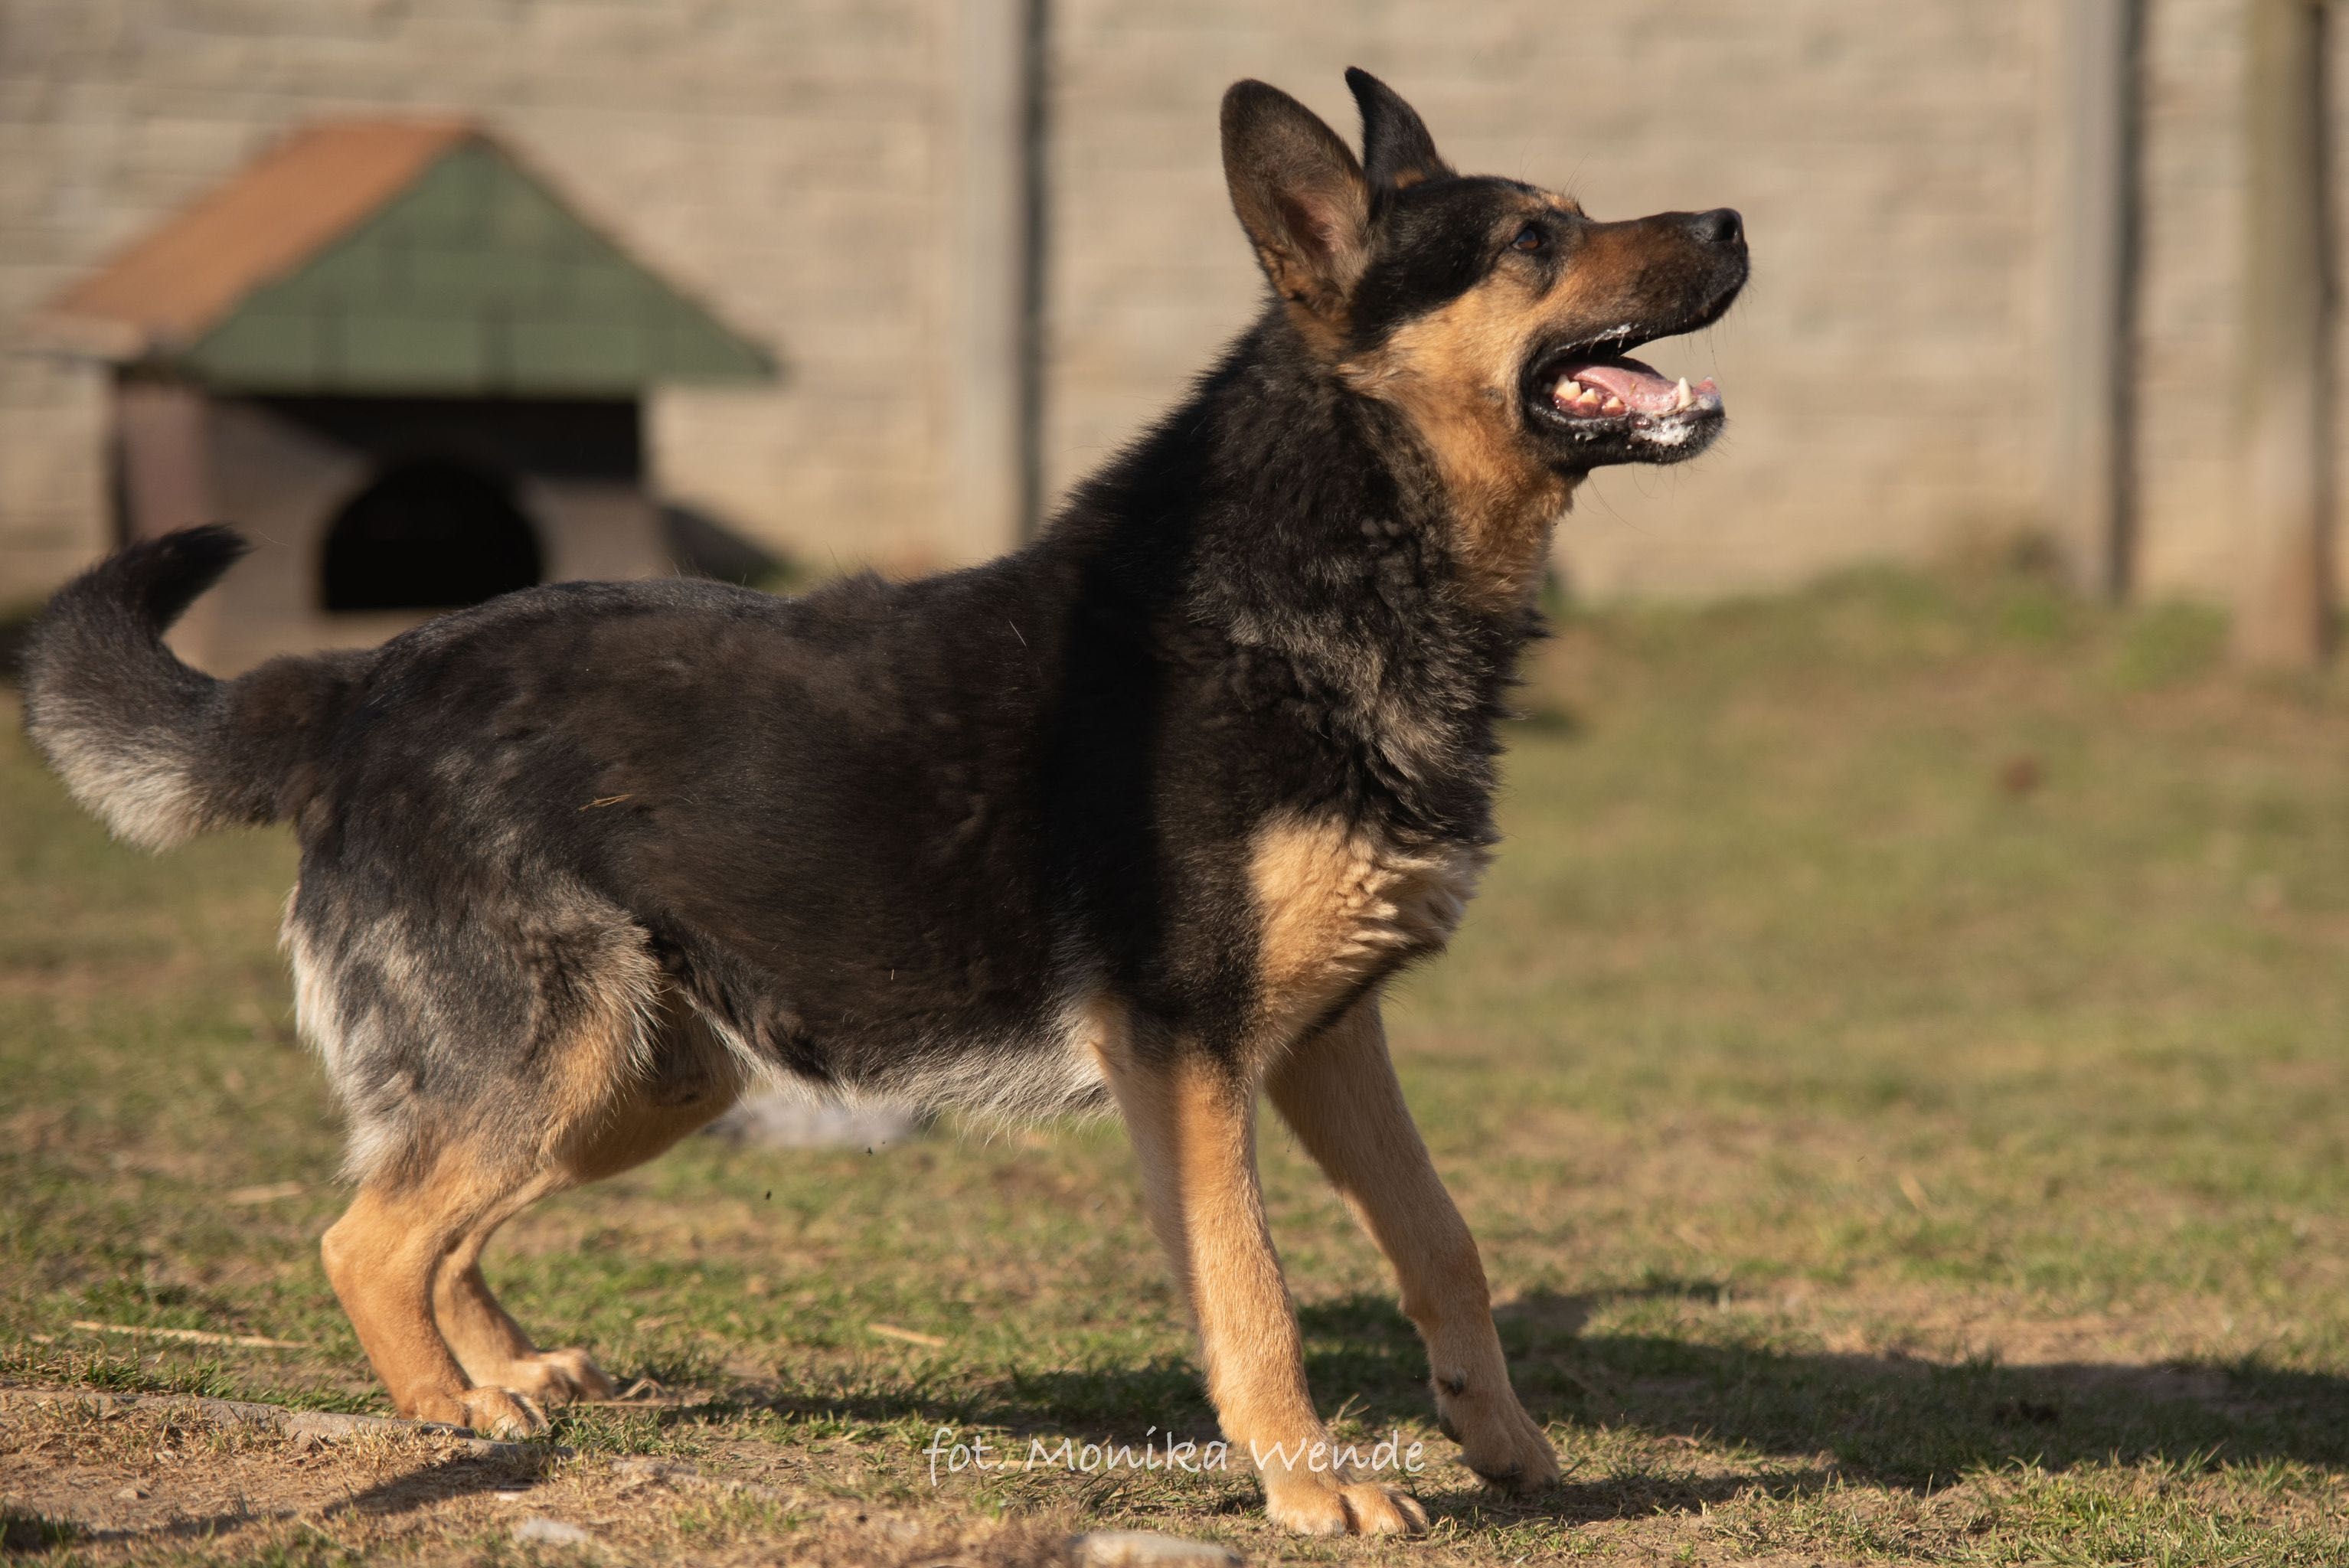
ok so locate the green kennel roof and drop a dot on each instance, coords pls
(396, 258)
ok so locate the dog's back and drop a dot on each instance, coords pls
(817, 825)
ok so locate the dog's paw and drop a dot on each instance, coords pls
(558, 1377)
(1320, 1506)
(1501, 1443)
(491, 1412)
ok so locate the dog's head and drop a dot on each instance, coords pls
(1496, 314)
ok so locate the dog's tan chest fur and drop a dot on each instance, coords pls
(1338, 904)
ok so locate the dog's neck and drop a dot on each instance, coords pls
(1289, 523)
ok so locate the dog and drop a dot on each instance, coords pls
(1143, 815)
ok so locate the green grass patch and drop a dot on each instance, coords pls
(1894, 1071)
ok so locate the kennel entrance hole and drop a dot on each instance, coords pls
(428, 535)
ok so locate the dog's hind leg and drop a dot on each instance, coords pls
(1193, 1121)
(485, 1066)
(687, 1080)
(382, 1257)
(487, 1343)
(1337, 1090)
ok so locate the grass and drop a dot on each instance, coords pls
(1894, 1071)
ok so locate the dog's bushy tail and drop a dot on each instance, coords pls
(160, 751)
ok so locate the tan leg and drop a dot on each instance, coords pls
(487, 1343)
(1338, 1090)
(490, 1345)
(1193, 1127)
(381, 1257)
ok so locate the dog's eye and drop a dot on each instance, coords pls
(1529, 237)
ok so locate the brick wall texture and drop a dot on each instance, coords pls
(1891, 375)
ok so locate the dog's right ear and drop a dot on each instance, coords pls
(1299, 194)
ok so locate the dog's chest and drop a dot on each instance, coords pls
(1339, 904)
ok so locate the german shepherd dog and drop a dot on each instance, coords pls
(1144, 814)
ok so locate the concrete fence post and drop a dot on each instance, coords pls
(986, 499)
(2283, 600)
(2090, 492)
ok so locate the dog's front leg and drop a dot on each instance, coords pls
(1338, 1090)
(1193, 1121)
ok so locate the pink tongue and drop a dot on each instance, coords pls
(1638, 385)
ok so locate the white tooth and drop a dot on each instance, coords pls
(1613, 406)
(1589, 394)
(1682, 395)
(1565, 388)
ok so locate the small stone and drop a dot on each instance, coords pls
(1147, 1549)
(132, 1493)
(640, 1470)
(540, 1530)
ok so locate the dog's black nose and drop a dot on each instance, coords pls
(1722, 226)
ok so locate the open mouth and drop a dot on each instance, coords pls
(1623, 394)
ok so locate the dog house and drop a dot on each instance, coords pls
(404, 367)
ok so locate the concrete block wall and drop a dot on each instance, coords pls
(1890, 373)
(1886, 373)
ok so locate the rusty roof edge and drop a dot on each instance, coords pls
(57, 327)
(457, 130)
(59, 334)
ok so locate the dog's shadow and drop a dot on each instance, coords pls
(1882, 1420)
(442, 1481)
(1877, 1419)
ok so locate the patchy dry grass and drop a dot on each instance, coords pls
(1895, 1070)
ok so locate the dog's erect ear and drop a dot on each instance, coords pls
(1397, 152)
(1300, 195)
